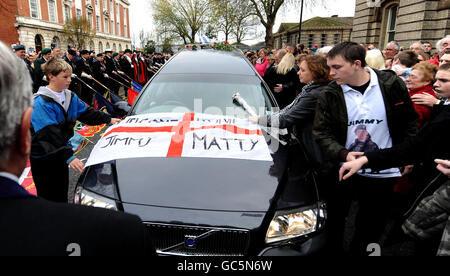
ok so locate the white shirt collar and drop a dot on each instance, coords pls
(9, 176)
(373, 81)
(447, 102)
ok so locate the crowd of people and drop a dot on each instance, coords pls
(100, 71)
(350, 104)
(374, 123)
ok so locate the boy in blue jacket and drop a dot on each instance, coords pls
(56, 111)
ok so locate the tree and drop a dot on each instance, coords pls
(167, 46)
(267, 11)
(150, 47)
(245, 19)
(183, 18)
(78, 30)
(224, 12)
(211, 31)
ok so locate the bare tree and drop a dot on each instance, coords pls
(245, 19)
(78, 30)
(267, 11)
(232, 17)
(181, 17)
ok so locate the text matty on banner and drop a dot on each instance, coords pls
(181, 135)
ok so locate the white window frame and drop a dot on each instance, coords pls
(67, 16)
(38, 9)
(55, 11)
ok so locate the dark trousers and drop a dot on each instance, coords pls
(374, 198)
(51, 178)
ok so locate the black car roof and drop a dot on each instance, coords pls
(208, 62)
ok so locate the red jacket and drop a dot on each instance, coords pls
(262, 67)
(423, 111)
(434, 61)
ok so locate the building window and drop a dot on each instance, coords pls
(391, 23)
(323, 41)
(34, 8)
(112, 27)
(67, 12)
(118, 28)
(79, 13)
(91, 19)
(52, 10)
(337, 39)
(97, 21)
(310, 41)
(106, 25)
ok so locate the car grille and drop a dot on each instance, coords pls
(197, 241)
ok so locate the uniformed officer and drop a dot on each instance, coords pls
(111, 70)
(83, 71)
(21, 53)
(75, 85)
(38, 73)
(99, 73)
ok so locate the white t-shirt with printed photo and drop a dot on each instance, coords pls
(368, 129)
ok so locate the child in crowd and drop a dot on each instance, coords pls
(56, 110)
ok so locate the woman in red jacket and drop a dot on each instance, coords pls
(262, 63)
(420, 81)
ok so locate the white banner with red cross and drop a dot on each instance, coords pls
(179, 136)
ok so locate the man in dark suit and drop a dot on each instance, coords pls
(111, 70)
(35, 227)
(75, 85)
(127, 64)
(83, 70)
(38, 73)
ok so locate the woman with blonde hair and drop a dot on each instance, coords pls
(283, 80)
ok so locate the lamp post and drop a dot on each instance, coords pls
(300, 25)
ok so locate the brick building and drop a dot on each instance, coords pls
(323, 31)
(38, 24)
(406, 21)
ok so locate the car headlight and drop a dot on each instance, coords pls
(86, 198)
(292, 224)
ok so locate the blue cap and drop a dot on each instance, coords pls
(18, 47)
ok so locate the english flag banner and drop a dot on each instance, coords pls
(181, 136)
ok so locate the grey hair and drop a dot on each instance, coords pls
(15, 96)
(438, 44)
(418, 42)
(397, 46)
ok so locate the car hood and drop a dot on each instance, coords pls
(197, 183)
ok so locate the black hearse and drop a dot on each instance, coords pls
(213, 206)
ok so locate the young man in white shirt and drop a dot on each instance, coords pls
(377, 102)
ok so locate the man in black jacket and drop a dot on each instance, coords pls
(429, 147)
(35, 227)
(359, 96)
(83, 70)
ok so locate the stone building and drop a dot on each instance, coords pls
(323, 31)
(38, 24)
(406, 21)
